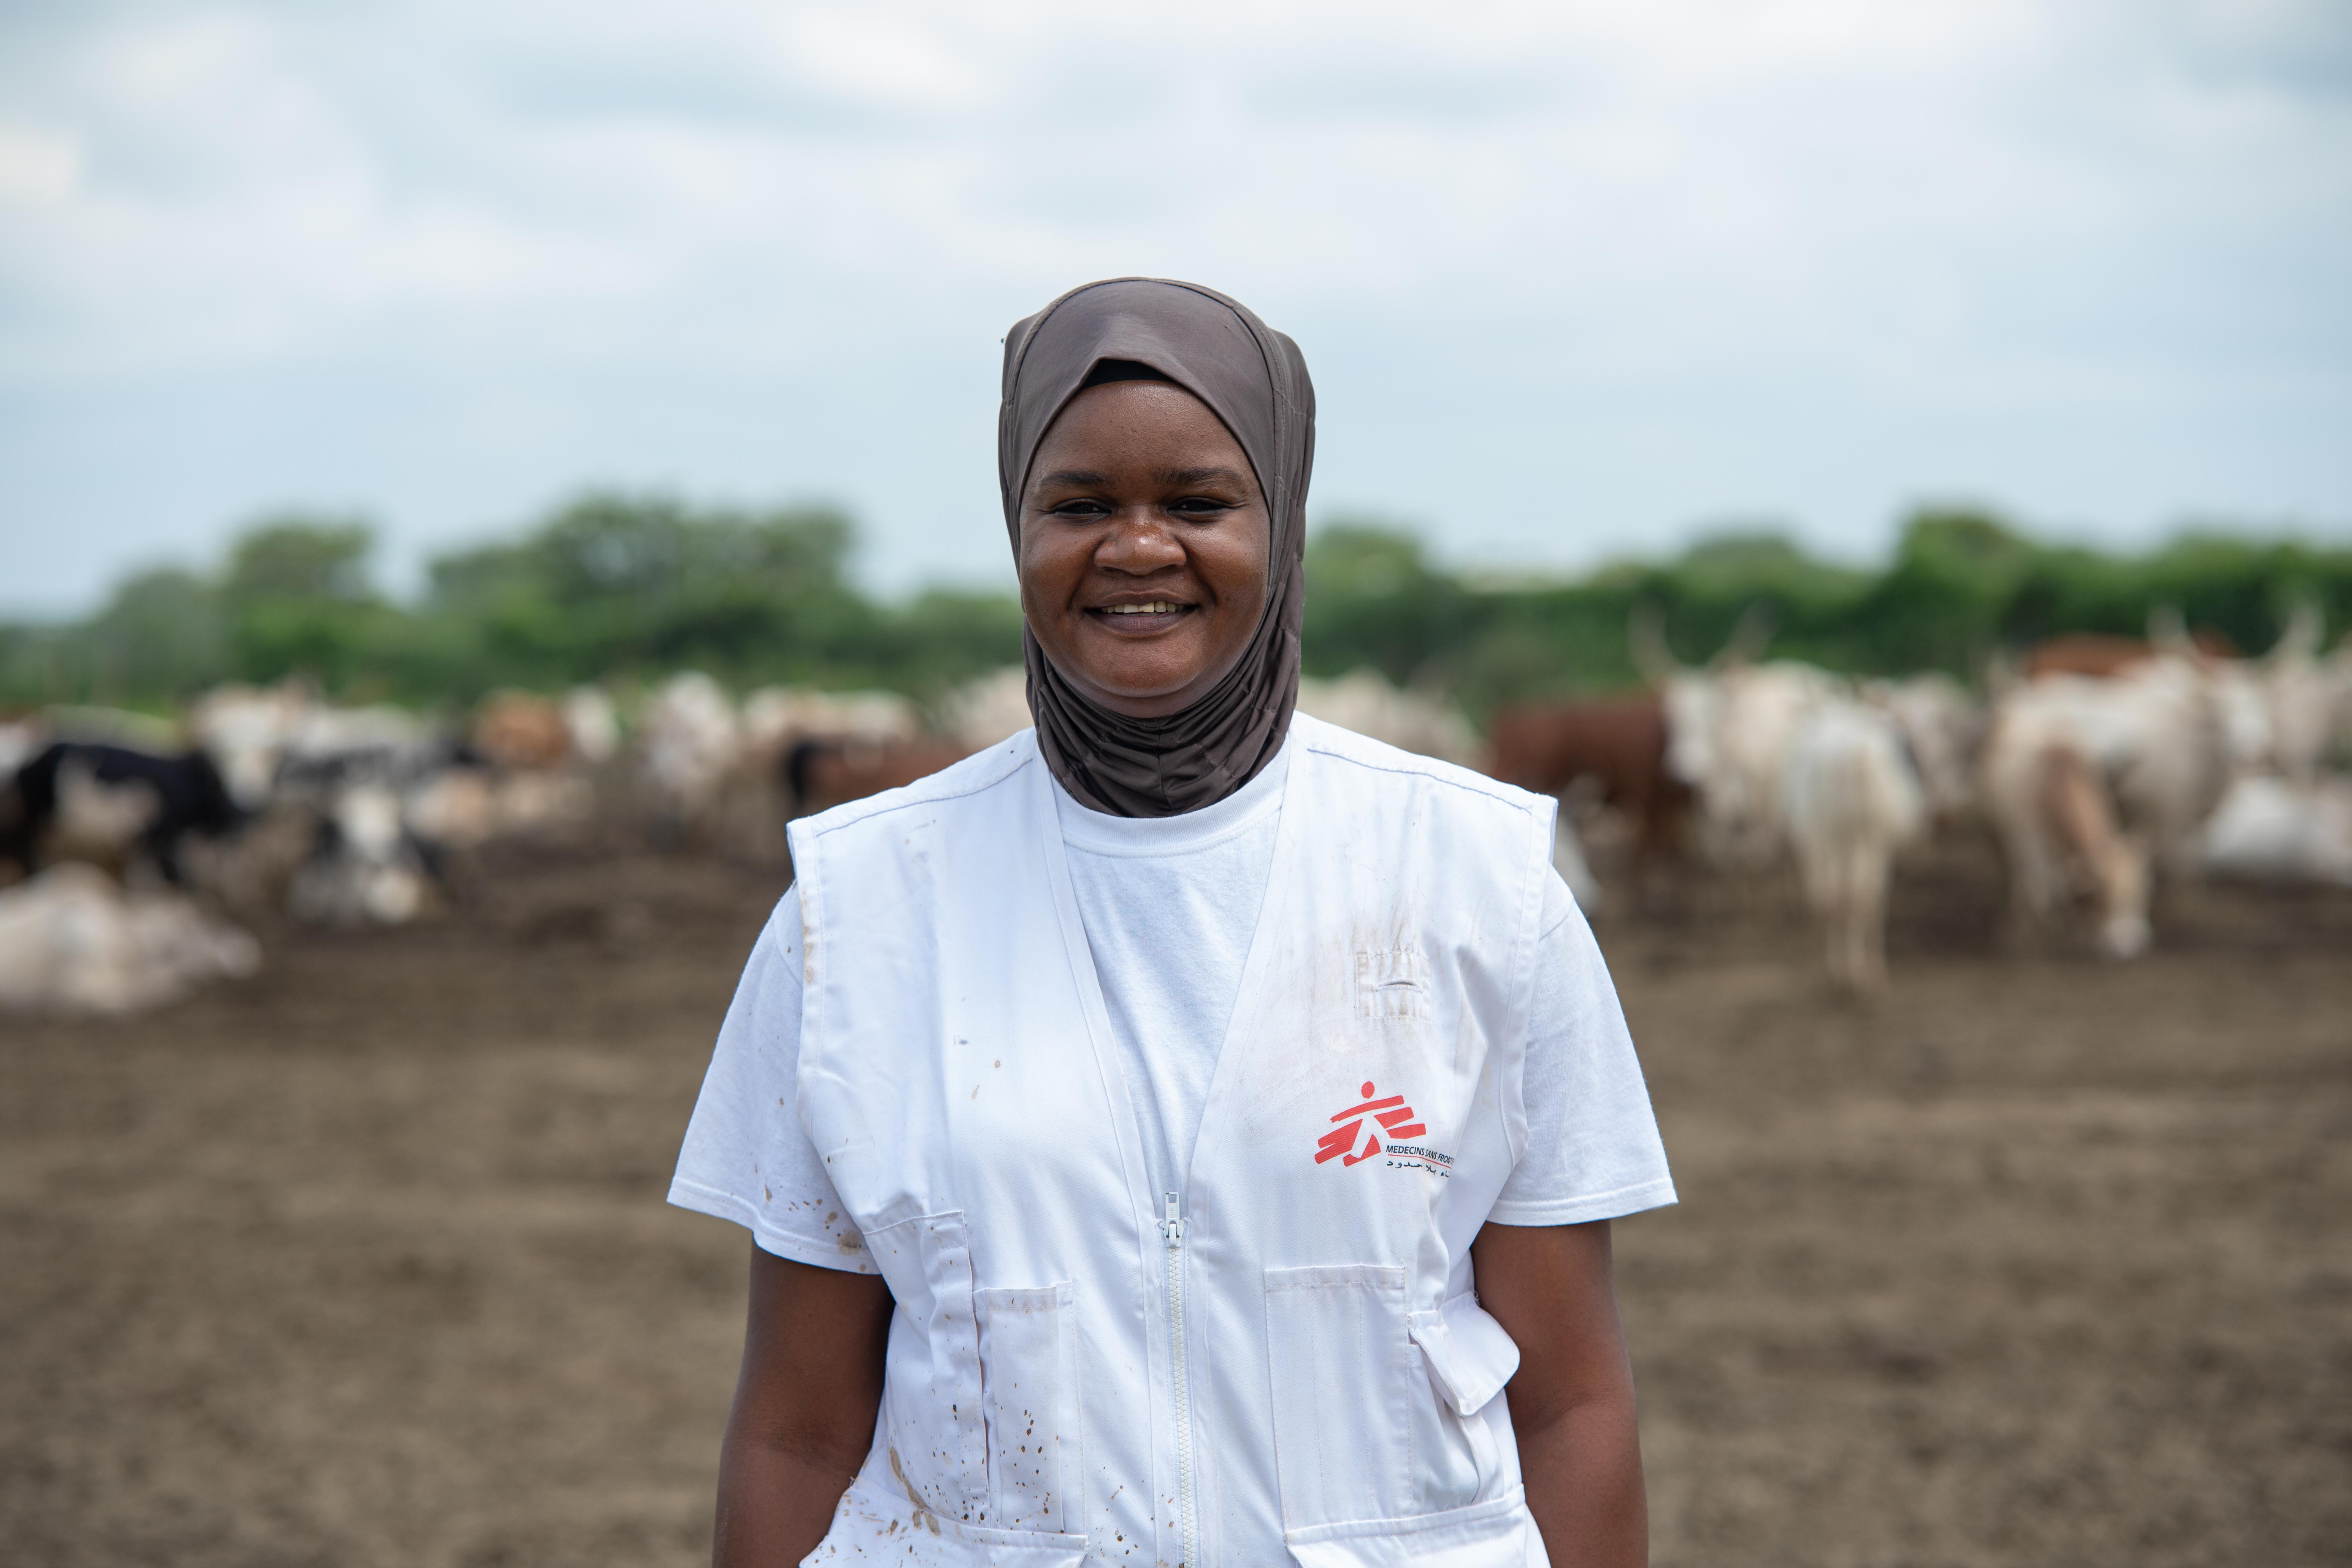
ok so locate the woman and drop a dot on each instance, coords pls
(1123, 1115)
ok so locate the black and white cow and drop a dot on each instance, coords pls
(128, 801)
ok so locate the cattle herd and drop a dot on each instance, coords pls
(134, 852)
(2104, 767)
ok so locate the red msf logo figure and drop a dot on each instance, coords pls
(1394, 1114)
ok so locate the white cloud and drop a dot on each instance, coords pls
(1629, 265)
(37, 166)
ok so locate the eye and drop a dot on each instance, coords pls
(1201, 508)
(1083, 509)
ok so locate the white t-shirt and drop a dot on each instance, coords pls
(1169, 905)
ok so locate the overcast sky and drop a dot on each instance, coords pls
(1574, 280)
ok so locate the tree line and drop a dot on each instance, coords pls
(617, 587)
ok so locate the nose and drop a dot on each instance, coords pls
(1140, 542)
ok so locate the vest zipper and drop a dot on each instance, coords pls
(1172, 1229)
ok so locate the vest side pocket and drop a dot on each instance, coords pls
(1342, 1363)
(932, 1387)
(1470, 1357)
(1028, 1358)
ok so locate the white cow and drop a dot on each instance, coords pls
(2308, 698)
(2284, 711)
(2273, 829)
(593, 725)
(72, 942)
(1412, 720)
(2093, 783)
(1730, 727)
(993, 707)
(247, 731)
(689, 737)
(1849, 801)
(1729, 736)
(1942, 727)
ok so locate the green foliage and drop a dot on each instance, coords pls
(618, 584)
(1961, 584)
(163, 632)
(1373, 598)
(629, 587)
(607, 586)
(297, 558)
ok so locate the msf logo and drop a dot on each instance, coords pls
(1395, 1119)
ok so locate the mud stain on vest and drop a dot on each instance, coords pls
(923, 1514)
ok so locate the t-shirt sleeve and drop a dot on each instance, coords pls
(747, 1157)
(1593, 1151)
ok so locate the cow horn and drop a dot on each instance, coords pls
(2305, 627)
(1749, 638)
(1645, 631)
(2167, 631)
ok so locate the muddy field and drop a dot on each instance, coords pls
(365, 1262)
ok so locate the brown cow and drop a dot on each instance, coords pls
(2104, 654)
(819, 774)
(1619, 742)
(521, 729)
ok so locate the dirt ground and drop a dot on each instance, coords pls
(365, 1261)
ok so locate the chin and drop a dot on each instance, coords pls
(1129, 687)
(1140, 674)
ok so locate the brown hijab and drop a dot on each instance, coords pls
(1253, 378)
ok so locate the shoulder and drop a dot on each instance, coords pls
(1376, 766)
(977, 776)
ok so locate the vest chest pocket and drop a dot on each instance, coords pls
(1341, 1360)
(1029, 1362)
(1391, 984)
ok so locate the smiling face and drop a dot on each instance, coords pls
(1143, 548)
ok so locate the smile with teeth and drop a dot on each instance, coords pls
(1157, 607)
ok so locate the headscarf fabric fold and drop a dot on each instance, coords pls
(1255, 380)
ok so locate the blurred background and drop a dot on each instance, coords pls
(468, 477)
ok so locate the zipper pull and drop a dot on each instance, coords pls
(1172, 1228)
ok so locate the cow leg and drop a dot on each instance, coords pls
(31, 828)
(1643, 814)
(1655, 823)
(2180, 879)
(1846, 907)
(15, 840)
(1870, 923)
(163, 848)
(2033, 881)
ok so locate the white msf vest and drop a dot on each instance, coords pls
(1286, 1361)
